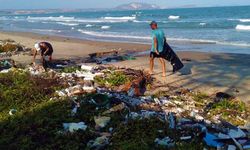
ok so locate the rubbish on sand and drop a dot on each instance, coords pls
(98, 143)
(231, 147)
(102, 121)
(12, 111)
(71, 127)
(171, 120)
(186, 137)
(210, 140)
(85, 67)
(115, 108)
(167, 142)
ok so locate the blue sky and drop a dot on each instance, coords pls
(41, 4)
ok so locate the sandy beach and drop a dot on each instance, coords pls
(206, 72)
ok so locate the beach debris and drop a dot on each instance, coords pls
(210, 140)
(12, 111)
(76, 105)
(222, 95)
(231, 147)
(115, 108)
(185, 137)
(166, 141)
(87, 68)
(101, 121)
(10, 47)
(107, 57)
(98, 143)
(36, 69)
(102, 54)
(171, 120)
(72, 127)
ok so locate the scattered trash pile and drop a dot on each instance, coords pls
(108, 57)
(9, 47)
(6, 64)
(110, 104)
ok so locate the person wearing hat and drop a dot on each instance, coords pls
(45, 49)
(158, 38)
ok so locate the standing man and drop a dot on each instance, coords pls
(45, 49)
(158, 38)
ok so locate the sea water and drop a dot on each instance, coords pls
(214, 29)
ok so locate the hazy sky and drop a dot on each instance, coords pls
(37, 4)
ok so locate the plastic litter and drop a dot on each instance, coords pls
(71, 127)
(210, 140)
(171, 120)
(167, 142)
(115, 108)
(186, 137)
(85, 67)
(231, 147)
(102, 121)
(12, 112)
(98, 143)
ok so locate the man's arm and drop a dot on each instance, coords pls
(156, 45)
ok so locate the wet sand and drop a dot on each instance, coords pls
(206, 72)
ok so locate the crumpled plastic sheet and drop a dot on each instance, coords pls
(72, 127)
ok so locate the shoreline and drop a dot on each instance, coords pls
(210, 72)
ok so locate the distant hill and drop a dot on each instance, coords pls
(137, 6)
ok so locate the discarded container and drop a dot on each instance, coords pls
(115, 108)
(210, 140)
(102, 121)
(98, 143)
(167, 142)
(71, 127)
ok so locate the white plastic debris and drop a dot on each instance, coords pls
(61, 93)
(85, 67)
(71, 127)
(5, 70)
(12, 112)
(231, 147)
(236, 133)
(186, 137)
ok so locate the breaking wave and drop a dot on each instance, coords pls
(242, 27)
(192, 41)
(240, 20)
(105, 27)
(173, 17)
(68, 24)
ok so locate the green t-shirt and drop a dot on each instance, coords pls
(159, 34)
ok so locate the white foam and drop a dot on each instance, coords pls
(47, 30)
(242, 27)
(244, 20)
(120, 18)
(138, 21)
(112, 35)
(241, 20)
(68, 24)
(60, 18)
(193, 41)
(173, 17)
(202, 24)
(105, 27)
(89, 25)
